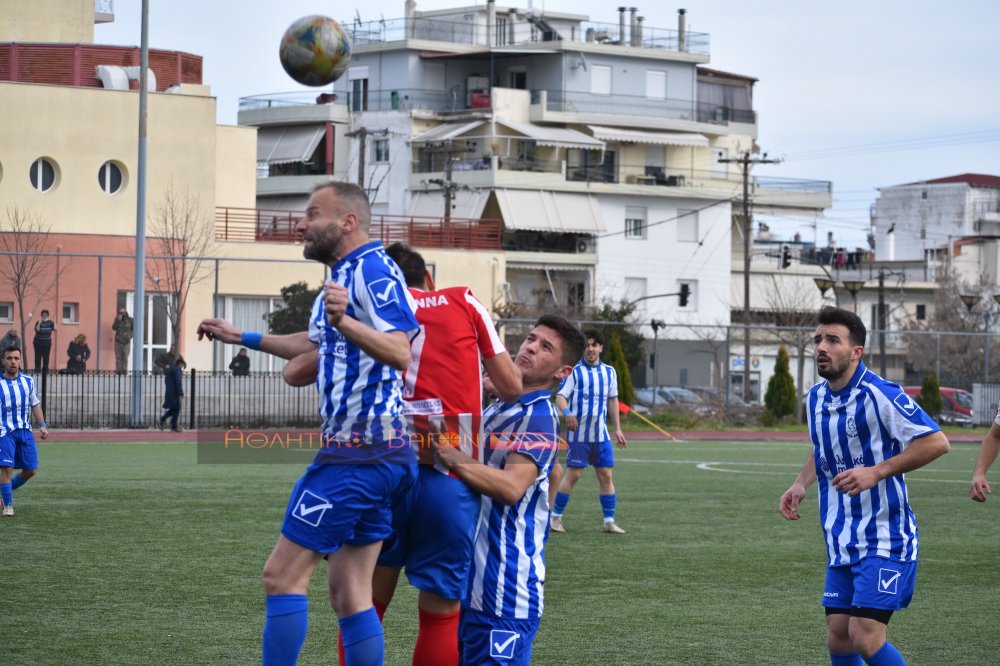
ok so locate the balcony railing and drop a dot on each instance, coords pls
(522, 32)
(279, 100)
(634, 105)
(278, 226)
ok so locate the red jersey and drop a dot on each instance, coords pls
(442, 386)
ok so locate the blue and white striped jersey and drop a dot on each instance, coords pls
(507, 575)
(361, 399)
(868, 421)
(17, 397)
(587, 390)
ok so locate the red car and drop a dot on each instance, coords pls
(957, 405)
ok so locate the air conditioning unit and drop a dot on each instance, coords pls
(585, 246)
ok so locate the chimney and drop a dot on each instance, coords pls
(491, 21)
(638, 31)
(511, 17)
(631, 25)
(410, 14)
(621, 26)
(681, 37)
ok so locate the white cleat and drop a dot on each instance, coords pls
(611, 527)
(8, 511)
(556, 524)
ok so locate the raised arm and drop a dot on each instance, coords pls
(391, 347)
(506, 485)
(505, 376)
(284, 346)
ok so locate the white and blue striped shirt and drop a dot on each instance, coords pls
(17, 397)
(507, 575)
(587, 390)
(361, 399)
(866, 422)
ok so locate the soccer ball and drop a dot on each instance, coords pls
(315, 50)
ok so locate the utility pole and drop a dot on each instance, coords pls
(362, 134)
(746, 161)
(447, 186)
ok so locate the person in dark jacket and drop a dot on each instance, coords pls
(240, 365)
(42, 341)
(174, 392)
(78, 352)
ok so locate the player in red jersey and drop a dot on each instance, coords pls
(443, 385)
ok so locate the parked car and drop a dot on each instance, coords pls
(957, 405)
(734, 410)
(674, 397)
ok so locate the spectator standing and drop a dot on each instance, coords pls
(42, 342)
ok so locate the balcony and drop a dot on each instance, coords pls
(531, 31)
(104, 11)
(635, 111)
(278, 226)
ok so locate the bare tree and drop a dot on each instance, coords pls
(26, 264)
(792, 304)
(182, 239)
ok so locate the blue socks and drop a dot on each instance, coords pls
(562, 499)
(853, 659)
(364, 644)
(285, 628)
(608, 503)
(887, 655)
(6, 494)
(17, 482)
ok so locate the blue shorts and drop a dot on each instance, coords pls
(18, 450)
(435, 528)
(487, 639)
(600, 454)
(333, 505)
(874, 582)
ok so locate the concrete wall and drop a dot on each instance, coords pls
(70, 21)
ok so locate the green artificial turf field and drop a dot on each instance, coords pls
(134, 554)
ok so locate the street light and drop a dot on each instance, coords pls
(854, 286)
(824, 284)
(970, 301)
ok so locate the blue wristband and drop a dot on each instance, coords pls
(567, 411)
(251, 339)
(42, 424)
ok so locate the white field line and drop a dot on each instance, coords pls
(716, 466)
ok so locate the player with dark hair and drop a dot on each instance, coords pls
(18, 403)
(361, 326)
(866, 432)
(587, 398)
(503, 605)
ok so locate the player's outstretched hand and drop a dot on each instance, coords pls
(334, 302)
(980, 489)
(219, 329)
(788, 505)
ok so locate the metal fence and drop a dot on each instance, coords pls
(710, 357)
(212, 400)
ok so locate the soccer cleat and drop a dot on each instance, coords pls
(612, 528)
(8, 510)
(556, 524)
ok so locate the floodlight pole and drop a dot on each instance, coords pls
(139, 302)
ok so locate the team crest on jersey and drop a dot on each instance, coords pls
(383, 292)
(905, 404)
(851, 427)
(502, 643)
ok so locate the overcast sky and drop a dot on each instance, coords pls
(863, 93)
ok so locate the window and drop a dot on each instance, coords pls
(71, 313)
(687, 226)
(921, 312)
(501, 31)
(43, 174)
(635, 221)
(692, 294)
(635, 288)
(381, 150)
(6, 312)
(656, 84)
(110, 178)
(358, 76)
(600, 80)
